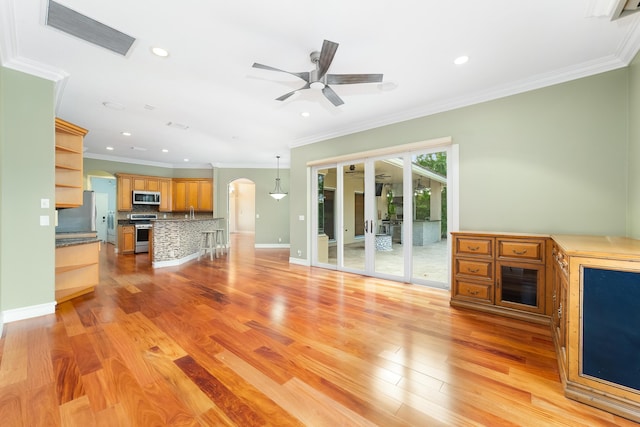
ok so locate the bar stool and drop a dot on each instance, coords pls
(221, 241)
(208, 243)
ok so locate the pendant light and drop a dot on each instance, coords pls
(277, 192)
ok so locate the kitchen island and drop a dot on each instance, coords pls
(176, 241)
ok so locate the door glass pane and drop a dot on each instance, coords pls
(389, 218)
(326, 249)
(429, 183)
(353, 216)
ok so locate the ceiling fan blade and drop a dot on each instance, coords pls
(332, 96)
(287, 95)
(348, 79)
(303, 75)
(326, 57)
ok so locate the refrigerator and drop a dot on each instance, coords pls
(80, 219)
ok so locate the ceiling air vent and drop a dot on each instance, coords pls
(624, 8)
(85, 28)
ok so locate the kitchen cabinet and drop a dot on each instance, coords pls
(126, 239)
(192, 192)
(596, 285)
(501, 273)
(68, 164)
(164, 187)
(127, 183)
(77, 270)
(125, 187)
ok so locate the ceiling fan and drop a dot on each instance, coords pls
(360, 173)
(319, 79)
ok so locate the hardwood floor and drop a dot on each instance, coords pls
(249, 340)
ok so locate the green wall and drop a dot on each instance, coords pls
(273, 223)
(27, 250)
(553, 160)
(92, 165)
(634, 150)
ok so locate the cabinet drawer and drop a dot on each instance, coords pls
(474, 246)
(477, 268)
(479, 292)
(521, 250)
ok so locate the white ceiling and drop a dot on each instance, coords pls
(208, 82)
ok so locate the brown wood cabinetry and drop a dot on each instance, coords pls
(68, 164)
(77, 270)
(126, 239)
(500, 273)
(192, 192)
(128, 183)
(596, 295)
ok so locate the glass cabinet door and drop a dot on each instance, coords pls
(519, 286)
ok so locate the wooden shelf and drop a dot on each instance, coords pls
(77, 270)
(68, 163)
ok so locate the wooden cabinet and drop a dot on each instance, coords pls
(124, 189)
(77, 270)
(192, 192)
(128, 183)
(595, 321)
(164, 187)
(500, 273)
(68, 164)
(126, 239)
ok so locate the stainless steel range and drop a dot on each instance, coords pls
(143, 224)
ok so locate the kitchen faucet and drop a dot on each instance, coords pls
(192, 213)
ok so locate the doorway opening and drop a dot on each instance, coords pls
(242, 206)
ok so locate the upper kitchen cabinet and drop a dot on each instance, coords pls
(188, 192)
(128, 183)
(125, 188)
(69, 142)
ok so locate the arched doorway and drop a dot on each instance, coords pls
(242, 206)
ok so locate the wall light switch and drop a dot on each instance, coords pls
(44, 220)
(44, 203)
(258, 216)
(301, 217)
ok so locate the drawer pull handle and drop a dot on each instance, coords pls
(475, 248)
(473, 292)
(560, 312)
(473, 270)
(522, 252)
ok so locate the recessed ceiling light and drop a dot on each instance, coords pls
(461, 60)
(113, 105)
(158, 51)
(164, 150)
(305, 114)
(126, 133)
(149, 107)
(186, 160)
(110, 148)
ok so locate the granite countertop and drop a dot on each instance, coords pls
(184, 219)
(61, 243)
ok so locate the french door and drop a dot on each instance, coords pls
(383, 216)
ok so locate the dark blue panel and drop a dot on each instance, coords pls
(611, 326)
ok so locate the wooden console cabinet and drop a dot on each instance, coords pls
(501, 273)
(596, 320)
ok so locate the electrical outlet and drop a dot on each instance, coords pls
(299, 252)
(279, 239)
(44, 203)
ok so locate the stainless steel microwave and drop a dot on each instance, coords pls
(146, 198)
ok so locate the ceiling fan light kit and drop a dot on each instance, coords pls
(319, 79)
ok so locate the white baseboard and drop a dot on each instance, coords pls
(28, 312)
(299, 261)
(174, 262)
(272, 245)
